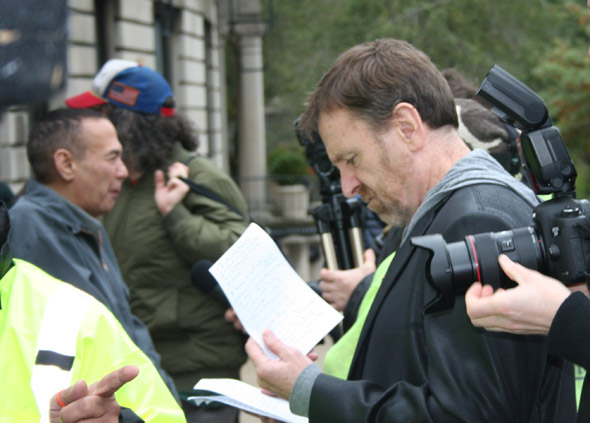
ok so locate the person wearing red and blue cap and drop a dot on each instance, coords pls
(125, 84)
(159, 229)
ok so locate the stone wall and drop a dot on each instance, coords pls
(196, 65)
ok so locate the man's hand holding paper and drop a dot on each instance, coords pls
(277, 376)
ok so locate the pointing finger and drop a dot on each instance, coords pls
(111, 383)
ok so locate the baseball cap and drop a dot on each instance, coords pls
(126, 84)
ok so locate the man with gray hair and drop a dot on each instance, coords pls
(389, 123)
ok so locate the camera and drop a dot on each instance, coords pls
(558, 242)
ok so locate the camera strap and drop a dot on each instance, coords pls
(201, 190)
(205, 192)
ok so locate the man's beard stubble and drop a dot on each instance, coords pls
(391, 215)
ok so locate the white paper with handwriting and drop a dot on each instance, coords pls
(266, 293)
(246, 397)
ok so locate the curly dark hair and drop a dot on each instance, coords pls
(148, 139)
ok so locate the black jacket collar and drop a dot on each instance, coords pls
(397, 266)
(5, 253)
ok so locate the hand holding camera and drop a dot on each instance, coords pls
(558, 242)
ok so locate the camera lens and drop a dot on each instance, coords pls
(522, 245)
(455, 266)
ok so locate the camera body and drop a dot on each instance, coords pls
(558, 242)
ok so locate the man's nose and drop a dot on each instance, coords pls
(122, 172)
(350, 184)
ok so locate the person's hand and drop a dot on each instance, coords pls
(528, 308)
(168, 194)
(232, 317)
(86, 404)
(264, 419)
(277, 376)
(338, 285)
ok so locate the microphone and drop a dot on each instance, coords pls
(204, 281)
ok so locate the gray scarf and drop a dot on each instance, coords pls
(478, 167)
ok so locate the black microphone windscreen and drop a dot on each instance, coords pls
(204, 281)
(201, 278)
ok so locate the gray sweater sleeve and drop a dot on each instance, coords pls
(301, 392)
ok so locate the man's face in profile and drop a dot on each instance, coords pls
(100, 172)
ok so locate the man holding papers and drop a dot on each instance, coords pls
(388, 121)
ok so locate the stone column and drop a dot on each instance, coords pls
(251, 121)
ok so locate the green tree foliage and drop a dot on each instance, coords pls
(563, 73)
(471, 35)
(536, 40)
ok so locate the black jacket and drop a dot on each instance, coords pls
(411, 367)
(5, 253)
(569, 338)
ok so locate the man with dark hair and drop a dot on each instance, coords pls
(389, 123)
(159, 235)
(53, 335)
(59, 130)
(75, 158)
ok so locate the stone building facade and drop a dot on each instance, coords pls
(185, 40)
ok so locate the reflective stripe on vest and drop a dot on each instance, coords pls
(56, 345)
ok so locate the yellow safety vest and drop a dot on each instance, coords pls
(339, 358)
(52, 335)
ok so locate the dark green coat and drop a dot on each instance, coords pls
(156, 255)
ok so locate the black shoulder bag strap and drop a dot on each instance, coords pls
(200, 189)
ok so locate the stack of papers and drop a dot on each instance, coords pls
(246, 397)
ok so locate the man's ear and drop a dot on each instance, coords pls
(408, 122)
(65, 165)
